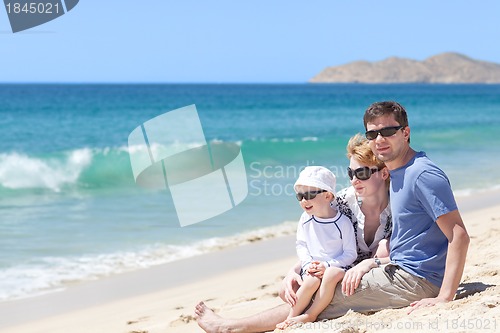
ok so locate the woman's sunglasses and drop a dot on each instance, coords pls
(308, 195)
(362, 173)
(385, 132)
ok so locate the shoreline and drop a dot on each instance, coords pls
(168, 253)
(127, 285)
(166, 294)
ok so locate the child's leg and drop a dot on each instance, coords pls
(309, 286)
(324, 296)
(304, 294)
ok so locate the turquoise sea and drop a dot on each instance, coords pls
(71, 211)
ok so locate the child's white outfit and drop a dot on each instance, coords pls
(331, 241)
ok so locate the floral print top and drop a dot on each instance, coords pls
(348, 204)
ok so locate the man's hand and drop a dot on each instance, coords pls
(425, 302)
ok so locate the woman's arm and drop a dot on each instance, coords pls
(353, 276)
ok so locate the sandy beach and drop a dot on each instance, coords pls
(243, 280)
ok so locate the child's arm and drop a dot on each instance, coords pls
(317, 269)
(349, 249)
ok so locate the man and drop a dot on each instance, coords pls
(429, 238)
(428, 245)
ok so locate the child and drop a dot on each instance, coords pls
(326, 244)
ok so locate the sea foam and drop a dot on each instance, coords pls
(20, 171)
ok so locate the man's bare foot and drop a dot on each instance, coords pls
(208, 320)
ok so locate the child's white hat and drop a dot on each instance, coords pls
(317, 176)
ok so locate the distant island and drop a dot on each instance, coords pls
(442, 68)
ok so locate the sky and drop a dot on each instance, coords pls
(228, 41)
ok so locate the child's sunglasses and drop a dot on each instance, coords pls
(362, 173)
(308, 195)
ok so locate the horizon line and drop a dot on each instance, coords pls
(231, 83)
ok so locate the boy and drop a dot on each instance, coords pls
(326, 244)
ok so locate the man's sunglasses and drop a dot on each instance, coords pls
(362, 173)
(309, 195)
(385, 132)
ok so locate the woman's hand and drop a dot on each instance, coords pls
(353, 276)
(291, 284)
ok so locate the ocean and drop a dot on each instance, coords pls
(72, 212)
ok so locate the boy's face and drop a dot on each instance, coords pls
(317, 206)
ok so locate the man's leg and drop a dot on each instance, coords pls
(386, 287)
(260, 322)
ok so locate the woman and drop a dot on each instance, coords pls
(366, 204)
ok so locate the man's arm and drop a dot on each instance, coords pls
(453, 227)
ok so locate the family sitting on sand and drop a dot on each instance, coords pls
(413, 257)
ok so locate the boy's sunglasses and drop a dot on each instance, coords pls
(362, 173)
(385, 132)
(308, 195)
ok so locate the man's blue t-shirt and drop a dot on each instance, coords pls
(420, 192)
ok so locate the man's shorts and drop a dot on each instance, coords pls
(381, 288)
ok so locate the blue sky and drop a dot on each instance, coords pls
(240, 41)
